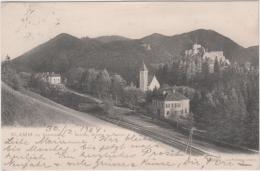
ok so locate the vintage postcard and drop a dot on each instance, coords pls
(129, 85)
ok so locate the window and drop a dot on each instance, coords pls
(177, 105)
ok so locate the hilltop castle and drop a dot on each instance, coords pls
(145, 82)
(210, 56)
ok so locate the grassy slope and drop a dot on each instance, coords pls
(29, 109)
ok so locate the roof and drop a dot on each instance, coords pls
(54, 75)
(171, 95)
(143, 67)
(150, 78)
(174, 96)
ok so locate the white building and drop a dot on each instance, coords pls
(54, 78)
(196, 48)
(154, 83)
(145, 83)
(215, 55)
(171, 105)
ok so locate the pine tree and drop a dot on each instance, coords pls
(216, 66)
(117, 85)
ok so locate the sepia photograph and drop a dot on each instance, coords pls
(129, 85)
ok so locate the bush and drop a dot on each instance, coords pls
(11, 78)
(108, 104)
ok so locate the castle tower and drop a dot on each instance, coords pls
(143, 78)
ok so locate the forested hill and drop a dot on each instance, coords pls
(123, 55)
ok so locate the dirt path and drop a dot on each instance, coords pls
(84, 95)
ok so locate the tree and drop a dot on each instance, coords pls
(103, 83)
(164, 74)
(74, 77)
(88, 81)
(173, 73)
(117, 86)
(132, 97)
(216, 66)
(10, 77)
(8, 58)
(182, 75)
(205, 75)
(225, 103)
(108, 105)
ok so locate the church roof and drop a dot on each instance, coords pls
(143, 67)
(150, 78)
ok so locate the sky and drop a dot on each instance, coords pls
(26, 25)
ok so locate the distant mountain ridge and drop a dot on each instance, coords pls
(123, 55)
(108, 39)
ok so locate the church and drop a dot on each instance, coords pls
(145, 82)
(168, 104)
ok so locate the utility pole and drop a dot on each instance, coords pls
(189, 141)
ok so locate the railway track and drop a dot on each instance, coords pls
(172, 141)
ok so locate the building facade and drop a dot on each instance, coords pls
(215, 55)
(51, 78)
(171, 105)
(54, 79)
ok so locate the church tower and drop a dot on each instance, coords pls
(143, 78)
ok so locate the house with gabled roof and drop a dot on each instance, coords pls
(170, 104)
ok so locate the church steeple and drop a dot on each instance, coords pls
(143, 78)
(143, 67)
